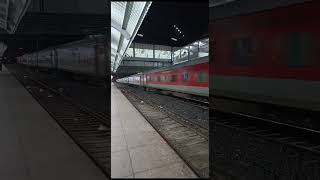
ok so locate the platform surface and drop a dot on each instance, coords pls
(33, 146)
(137, 150)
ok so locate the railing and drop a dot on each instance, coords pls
(175, 54)
(191, 51)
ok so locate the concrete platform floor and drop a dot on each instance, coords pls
(137, 150)
(33, 146)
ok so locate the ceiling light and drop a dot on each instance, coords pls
(174, 39)
(140, 35)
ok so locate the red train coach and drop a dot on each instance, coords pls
(267, 53)
(190, 77)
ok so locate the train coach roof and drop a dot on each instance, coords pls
(187, 63)
(239, 7)
(88, 41)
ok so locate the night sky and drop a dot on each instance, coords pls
(191, 19)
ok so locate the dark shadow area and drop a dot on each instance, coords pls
(264, 85)
(59, 51)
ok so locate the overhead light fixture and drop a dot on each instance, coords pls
(140, 35)
(21, 48)
(174, 39)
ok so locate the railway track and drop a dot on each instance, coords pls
(283, 114)
(203, 102)
(190, 145)
(192, 114)
(253, 147)
(296, 136)
(194, 101)
(88, 129)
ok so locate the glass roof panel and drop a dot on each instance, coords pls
(125, 28)
(117, 11)
(137, 10)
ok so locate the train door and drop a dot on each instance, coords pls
(141, 80)
(144, 79)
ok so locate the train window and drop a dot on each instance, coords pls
(185, 77)
(242, 50)
(159, 79)
(173, 78)
(296, 49)
(166, 78)
(163, 78)
(202, 77)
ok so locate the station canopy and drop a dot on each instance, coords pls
(3, 48)
(126, 19)
(213, 3)
(11, 13)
